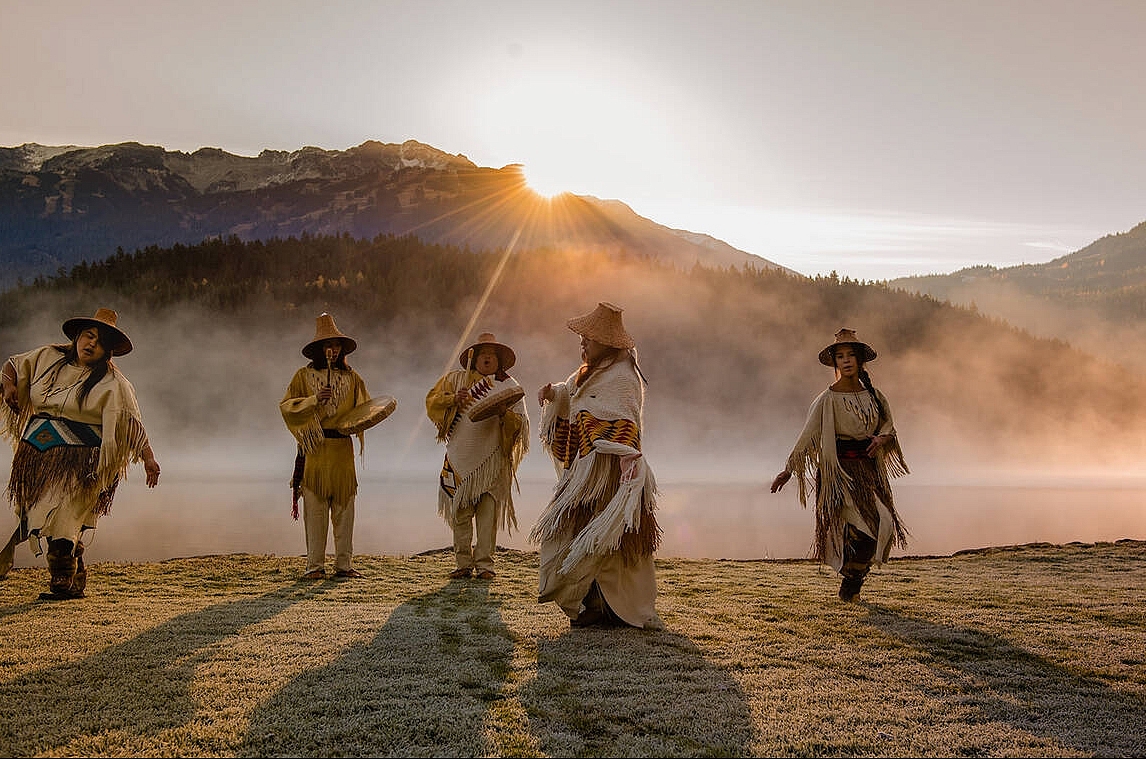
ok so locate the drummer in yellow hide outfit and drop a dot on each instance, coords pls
(319, 393)
(483, 451)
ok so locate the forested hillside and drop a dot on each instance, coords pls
(730, 354)
(1094, 297)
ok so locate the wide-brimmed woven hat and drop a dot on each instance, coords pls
(505, 355)
(846, 337)
(325, 329)
(104, 317)
(603, 325)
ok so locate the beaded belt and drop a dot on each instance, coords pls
(45, 431)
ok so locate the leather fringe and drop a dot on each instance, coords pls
(33, 472)
(594, 491)
(864, 483)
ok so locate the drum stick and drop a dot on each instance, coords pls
(465, 375)
(329, 360)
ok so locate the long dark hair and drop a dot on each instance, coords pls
(98, 369)
(865, 380)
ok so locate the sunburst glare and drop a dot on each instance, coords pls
(546, 184)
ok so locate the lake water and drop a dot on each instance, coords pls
(396, 514)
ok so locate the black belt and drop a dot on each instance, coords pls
(332, 433)
(846, 448)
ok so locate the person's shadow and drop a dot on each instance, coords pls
(381, 699)
(137, 688)
(1011, 685)
(627, 692)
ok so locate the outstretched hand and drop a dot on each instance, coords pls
(151, 466)
(545, 394)
(781, 480)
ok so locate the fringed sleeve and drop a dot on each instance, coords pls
(441, 402)
(804, 460)
(300, 413)
(124, 437)
(889, 458)
(25, 364)
(554, 424)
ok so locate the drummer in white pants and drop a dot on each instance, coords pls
(481, 456)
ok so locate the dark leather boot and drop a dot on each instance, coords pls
(851, 584)
(62, 568)
(859, 550)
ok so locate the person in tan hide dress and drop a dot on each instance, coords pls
(846, 454)
(75, 425)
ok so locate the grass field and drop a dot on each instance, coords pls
(1037, 650)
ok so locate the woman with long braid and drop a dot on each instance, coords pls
(849, 450)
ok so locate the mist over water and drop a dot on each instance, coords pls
(396, 515)
(209, 388)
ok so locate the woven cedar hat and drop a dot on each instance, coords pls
(846, 337)
(325, 329)
(106, 318)
(505, 355)
(603, 326)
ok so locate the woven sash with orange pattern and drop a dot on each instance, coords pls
(574, 440)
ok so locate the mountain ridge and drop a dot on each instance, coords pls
(60, 205)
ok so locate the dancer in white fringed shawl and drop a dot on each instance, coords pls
(318, 394)
(599, 532)
(481, 457)
(849, 449)
(75, 426)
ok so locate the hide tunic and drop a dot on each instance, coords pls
(329, 483)
(598, 525)
(849, 491)
(329, 469)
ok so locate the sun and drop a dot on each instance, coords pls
(546, 184)
(579, 121)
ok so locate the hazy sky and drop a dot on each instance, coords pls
(877, 139)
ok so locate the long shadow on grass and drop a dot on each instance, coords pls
(423, 686)
(626, 692)
(1012, 685)
(139, 687)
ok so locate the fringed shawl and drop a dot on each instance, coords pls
(817, 466)
(481, 457)
(587, 431)
(329, 468)
(46, 383)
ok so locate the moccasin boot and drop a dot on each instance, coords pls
(62, 569)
